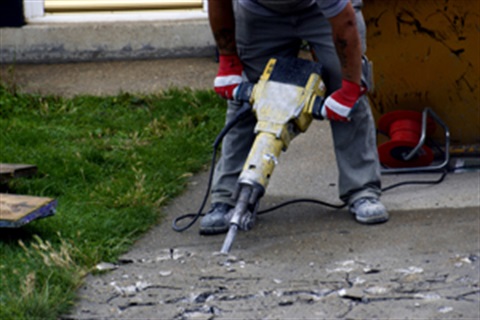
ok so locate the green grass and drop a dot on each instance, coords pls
(111, 162)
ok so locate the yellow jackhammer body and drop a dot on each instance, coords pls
(285, 100)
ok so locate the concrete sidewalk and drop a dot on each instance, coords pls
(109, 36)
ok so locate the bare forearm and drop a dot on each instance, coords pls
(347, 43)
(222, 23)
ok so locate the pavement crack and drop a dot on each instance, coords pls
(439, 279)
(237, 297)
(351, 305)
(367, 300)
(309, 292)
(463, 296)
(136, 305)
(256, 279)
(285, 303)
(201, 312)
(157, 286)
(347, 279)
(204, 296)
(211, 278)
(113, 297)
(176, 300)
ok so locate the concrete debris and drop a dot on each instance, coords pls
(376, 290)
(430, 296)
(171, 254)
(197, 316)
(105, 266)
(189, 282)
(410, 270)
(445, 309)
(124, 290)
(165, 273)
(130, 290)
(352, 293)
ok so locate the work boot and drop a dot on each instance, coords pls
(369, 211)
(217, 220)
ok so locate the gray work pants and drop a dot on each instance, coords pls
(258, 39)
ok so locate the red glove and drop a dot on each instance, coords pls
(339, 104)
(229, 76)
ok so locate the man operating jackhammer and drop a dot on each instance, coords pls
(250, 32)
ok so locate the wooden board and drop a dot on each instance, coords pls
(17, 210)
(9, 171)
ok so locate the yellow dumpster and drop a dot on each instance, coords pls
(426, 53)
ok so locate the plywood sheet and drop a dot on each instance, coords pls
(17, 210)
(9, 171)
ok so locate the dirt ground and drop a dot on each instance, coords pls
(302, 261)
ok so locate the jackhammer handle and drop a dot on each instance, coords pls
(243, 91)
(317, 108)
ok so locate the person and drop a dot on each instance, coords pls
(248, 33)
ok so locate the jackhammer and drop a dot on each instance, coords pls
(285, 100)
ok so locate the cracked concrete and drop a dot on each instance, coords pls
(302, 261)
(325, 266)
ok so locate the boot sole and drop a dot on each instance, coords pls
(376, 220)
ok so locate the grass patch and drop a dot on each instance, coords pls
(111, 162)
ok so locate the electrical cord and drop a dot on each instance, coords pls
(239, 116)
(439, 180)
